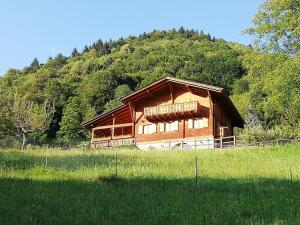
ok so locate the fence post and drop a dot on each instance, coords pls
(221, 142)
(234, 141)
(196, 171)
(46, 162)
(116, 158)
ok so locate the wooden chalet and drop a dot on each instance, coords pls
(168, 113)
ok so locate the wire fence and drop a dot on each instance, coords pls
(147, 165)
(212, 143)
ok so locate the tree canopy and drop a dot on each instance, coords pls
(93, 81)
(276, 26)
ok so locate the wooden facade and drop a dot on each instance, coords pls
(168, 111)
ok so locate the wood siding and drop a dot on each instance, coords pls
(164, 97)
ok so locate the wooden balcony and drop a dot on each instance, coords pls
(104, 143)
(171, 110)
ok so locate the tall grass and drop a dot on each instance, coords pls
(245, 186)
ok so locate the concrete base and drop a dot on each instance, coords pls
(195, 143)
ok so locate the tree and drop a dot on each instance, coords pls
(85, 49)
(75, 52)
(70, 129)
(276, 26)
(251, 121)
(28, 116)
(35, 63)
(121, 91)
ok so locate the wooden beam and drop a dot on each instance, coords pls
(139, 117)
(92, 135)
(188, 88)
(183, 128)
(171, 92)
(149, 93)
(212, 112)
(115, 126)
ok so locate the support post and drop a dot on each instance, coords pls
(113, 129)
(221, 142)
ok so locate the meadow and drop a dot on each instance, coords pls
(128, 186)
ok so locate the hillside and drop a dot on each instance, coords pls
(65, 91)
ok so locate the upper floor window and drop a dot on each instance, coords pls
(197, 123)
(166, 127)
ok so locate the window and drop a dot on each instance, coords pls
(197, 123)
(150, 129)
(172, 126)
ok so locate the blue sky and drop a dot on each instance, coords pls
(35, 28)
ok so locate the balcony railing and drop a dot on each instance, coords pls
(113, 143)
(171, 109)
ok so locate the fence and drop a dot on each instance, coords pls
(153, 165)
(224, 142)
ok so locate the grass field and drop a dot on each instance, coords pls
(245, 186)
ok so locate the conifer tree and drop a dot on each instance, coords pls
(75, 52)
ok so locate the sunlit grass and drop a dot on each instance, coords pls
(234, 186)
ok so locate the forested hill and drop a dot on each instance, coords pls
(49, 101)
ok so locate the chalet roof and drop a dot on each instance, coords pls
(172, 80)
(85, 124)
(216, 92)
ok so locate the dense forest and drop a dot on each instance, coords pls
(44, 104)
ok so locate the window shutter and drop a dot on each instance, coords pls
(200, 123)
(161, 127)
(190, 123)
(153, 128)
(168, 126)
(140, 129)
(205, 122)
(174, 125)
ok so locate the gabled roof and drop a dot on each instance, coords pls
(175, 81)
(216, 92)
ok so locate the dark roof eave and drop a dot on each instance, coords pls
(84, 124)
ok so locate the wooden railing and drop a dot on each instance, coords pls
(113, 142)
(171, 108)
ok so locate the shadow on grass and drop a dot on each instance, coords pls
(149, 201)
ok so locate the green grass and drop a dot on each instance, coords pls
(245, 186)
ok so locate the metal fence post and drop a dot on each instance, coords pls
(196, 171)
(46, 162)
(116, 158)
